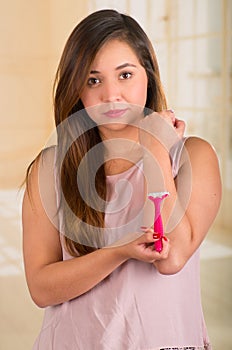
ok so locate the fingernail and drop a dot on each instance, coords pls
(156, 236)
(164, 238)
(171, 110)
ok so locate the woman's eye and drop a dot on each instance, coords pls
(125, 75)
(93, 81)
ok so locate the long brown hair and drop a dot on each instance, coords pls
(72, 73)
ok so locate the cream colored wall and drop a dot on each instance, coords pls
(32, 37)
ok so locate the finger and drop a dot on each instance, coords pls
(146, 238)
(169, 112)
(166, 245)
(179, 123)
(165, 251)
(147, 229)
(180, 127)
(157, 235)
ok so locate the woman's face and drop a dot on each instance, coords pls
(116, 89)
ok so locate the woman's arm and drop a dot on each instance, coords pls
(196, 207)
(50, 279)
(194, 197)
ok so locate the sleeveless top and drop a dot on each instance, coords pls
(135, 307)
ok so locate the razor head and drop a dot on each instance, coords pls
(160, 195)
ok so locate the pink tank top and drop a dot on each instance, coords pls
(135, 307)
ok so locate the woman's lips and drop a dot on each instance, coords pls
(115, 113)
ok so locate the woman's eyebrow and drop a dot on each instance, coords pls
(124, 65)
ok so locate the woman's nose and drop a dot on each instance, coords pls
(111, 92)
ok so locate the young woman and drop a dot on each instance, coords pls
(88, 237)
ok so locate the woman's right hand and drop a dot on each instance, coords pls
(142, 248)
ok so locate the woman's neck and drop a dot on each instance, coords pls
(121, 155)
(128, 132)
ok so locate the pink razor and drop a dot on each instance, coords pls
(156, 198)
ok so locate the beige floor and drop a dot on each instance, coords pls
(20, 319)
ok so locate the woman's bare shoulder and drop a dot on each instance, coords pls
(40, 184)
(194, 144)
(200, 155)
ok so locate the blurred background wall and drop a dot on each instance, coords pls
(32, 35)
(192, 39)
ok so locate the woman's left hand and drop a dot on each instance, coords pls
(162, 127)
